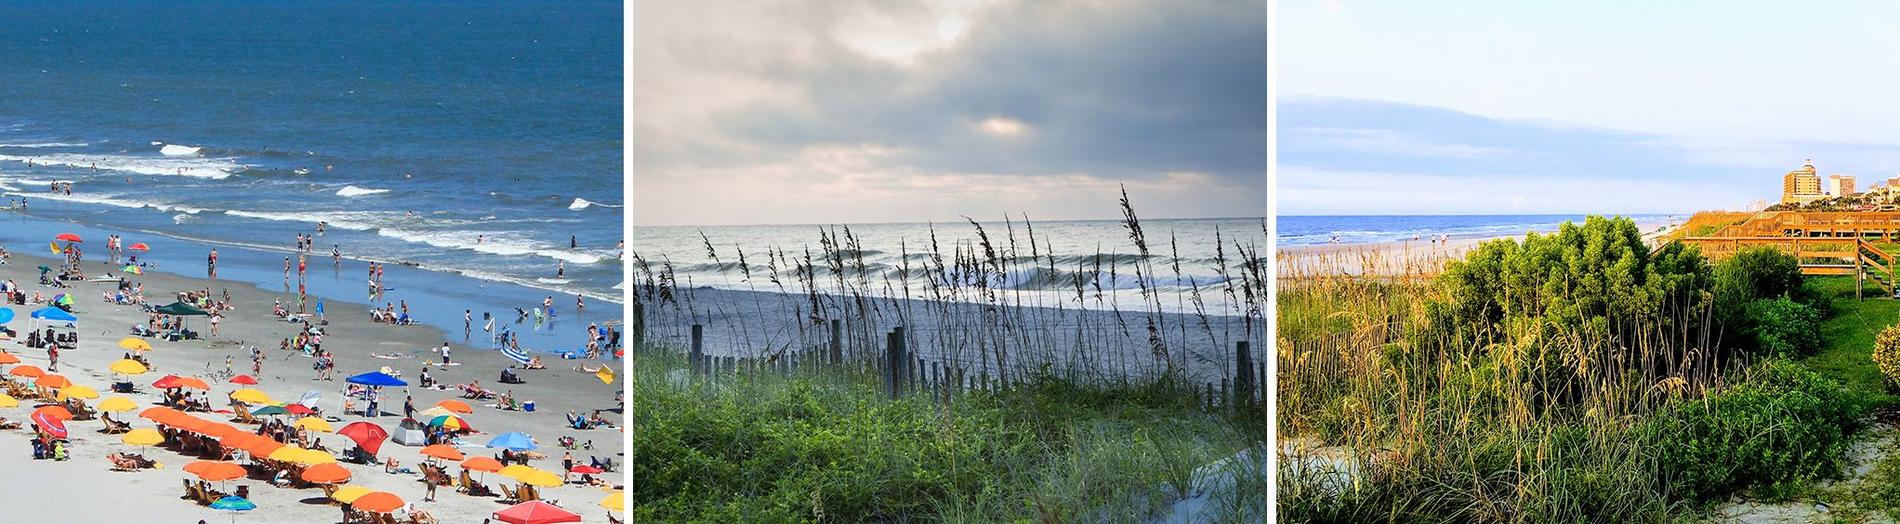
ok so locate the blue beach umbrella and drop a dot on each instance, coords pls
(517, 441)
(6, 315)
(233, 505)
(516, 354)
(376, 378)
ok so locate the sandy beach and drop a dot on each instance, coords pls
(1400, 258)
(85, 489)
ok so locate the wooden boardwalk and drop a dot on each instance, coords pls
(1826, 243)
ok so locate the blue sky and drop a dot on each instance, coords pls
(1487, 107)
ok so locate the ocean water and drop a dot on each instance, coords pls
(412, 129)
(1358, 229)
(1100, 251)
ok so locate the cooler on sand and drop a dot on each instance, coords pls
(527, 406)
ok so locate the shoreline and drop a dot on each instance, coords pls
(359, 344)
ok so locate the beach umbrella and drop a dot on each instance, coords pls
(535, 512)
(78, 391)
(142, 437)
(64, 299)
(368, 436)
(187, 423)
(244, 379)
(126, 366)
(7, 401)
(252, 396)
(264, 448)
(117, 405)
(517, 441)
(52, 426)
(56, 250)
(9, 358)
(543, 478)
(68, 237)
(517, 471)
(28, 371)
(133, 269)
(312, 457)
(155, 413)
(216, 470)
(192, 383)
(299, 409)
(442, 451)
(433, 412)
(314, 424)
(606, 375)
(483, 464)
(240, 440)
(285, 454)
(376, 378)
(52, 380)
(181, 309)
(234, 505)
(450, 422)
(135, 344)
(53, 411)
(140, 246)
(348, 494)
(6, 315)
(325, 474)
(455, 406)
(585, 469)
(516, 354)
(220, 430)
(615, 502)
(378, 502)
(270, 410)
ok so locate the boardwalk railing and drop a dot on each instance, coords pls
(1817, 255)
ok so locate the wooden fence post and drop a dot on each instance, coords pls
(837, 341)
(698, 356)
(1243, 372)
(891, 350)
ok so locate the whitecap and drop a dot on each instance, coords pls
(178, 150)
(353, 191)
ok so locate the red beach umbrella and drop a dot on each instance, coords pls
(140, 247)
(244, 379)
(585, 469)
(69, 237)
(366, 435)
(298, 409)
(536, 512)
(51, 422)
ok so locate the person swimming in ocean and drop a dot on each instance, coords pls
(573, 242)
(336, 255)
(560, 269)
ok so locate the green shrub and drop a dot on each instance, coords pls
(1887, 354)
(1777, 429)
(1783, 327)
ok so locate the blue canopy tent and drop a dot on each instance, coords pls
(52, 314)
(376, 378)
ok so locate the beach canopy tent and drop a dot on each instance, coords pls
(409, 433)
(181, 309)
(536, 512)
(376, 378)
(53, 314)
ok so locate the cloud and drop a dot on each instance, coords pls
(1061, 96)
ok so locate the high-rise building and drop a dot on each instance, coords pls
(1801, 186)
(1839, 185)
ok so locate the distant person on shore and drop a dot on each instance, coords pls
(211, 263)
(445, 352)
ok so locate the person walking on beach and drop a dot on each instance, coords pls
(579, 302)
(215, 319)
(468, 322)
(409, 408)
(211, 263)
(286, 267)
(52, 357)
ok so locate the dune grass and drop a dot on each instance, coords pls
(827, 446)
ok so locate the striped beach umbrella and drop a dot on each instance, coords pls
(516, 354)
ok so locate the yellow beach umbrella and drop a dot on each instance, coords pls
(142, 437)
(78, 391)
(517, 471)
(135, 344)
(253, 397)
(543, 478)
(314, 424)
(285, 454)
(7, 401)
(117, 404)
(431, 413)
(312, 457)
(126, 366)
(349, 493)
(617, 502)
